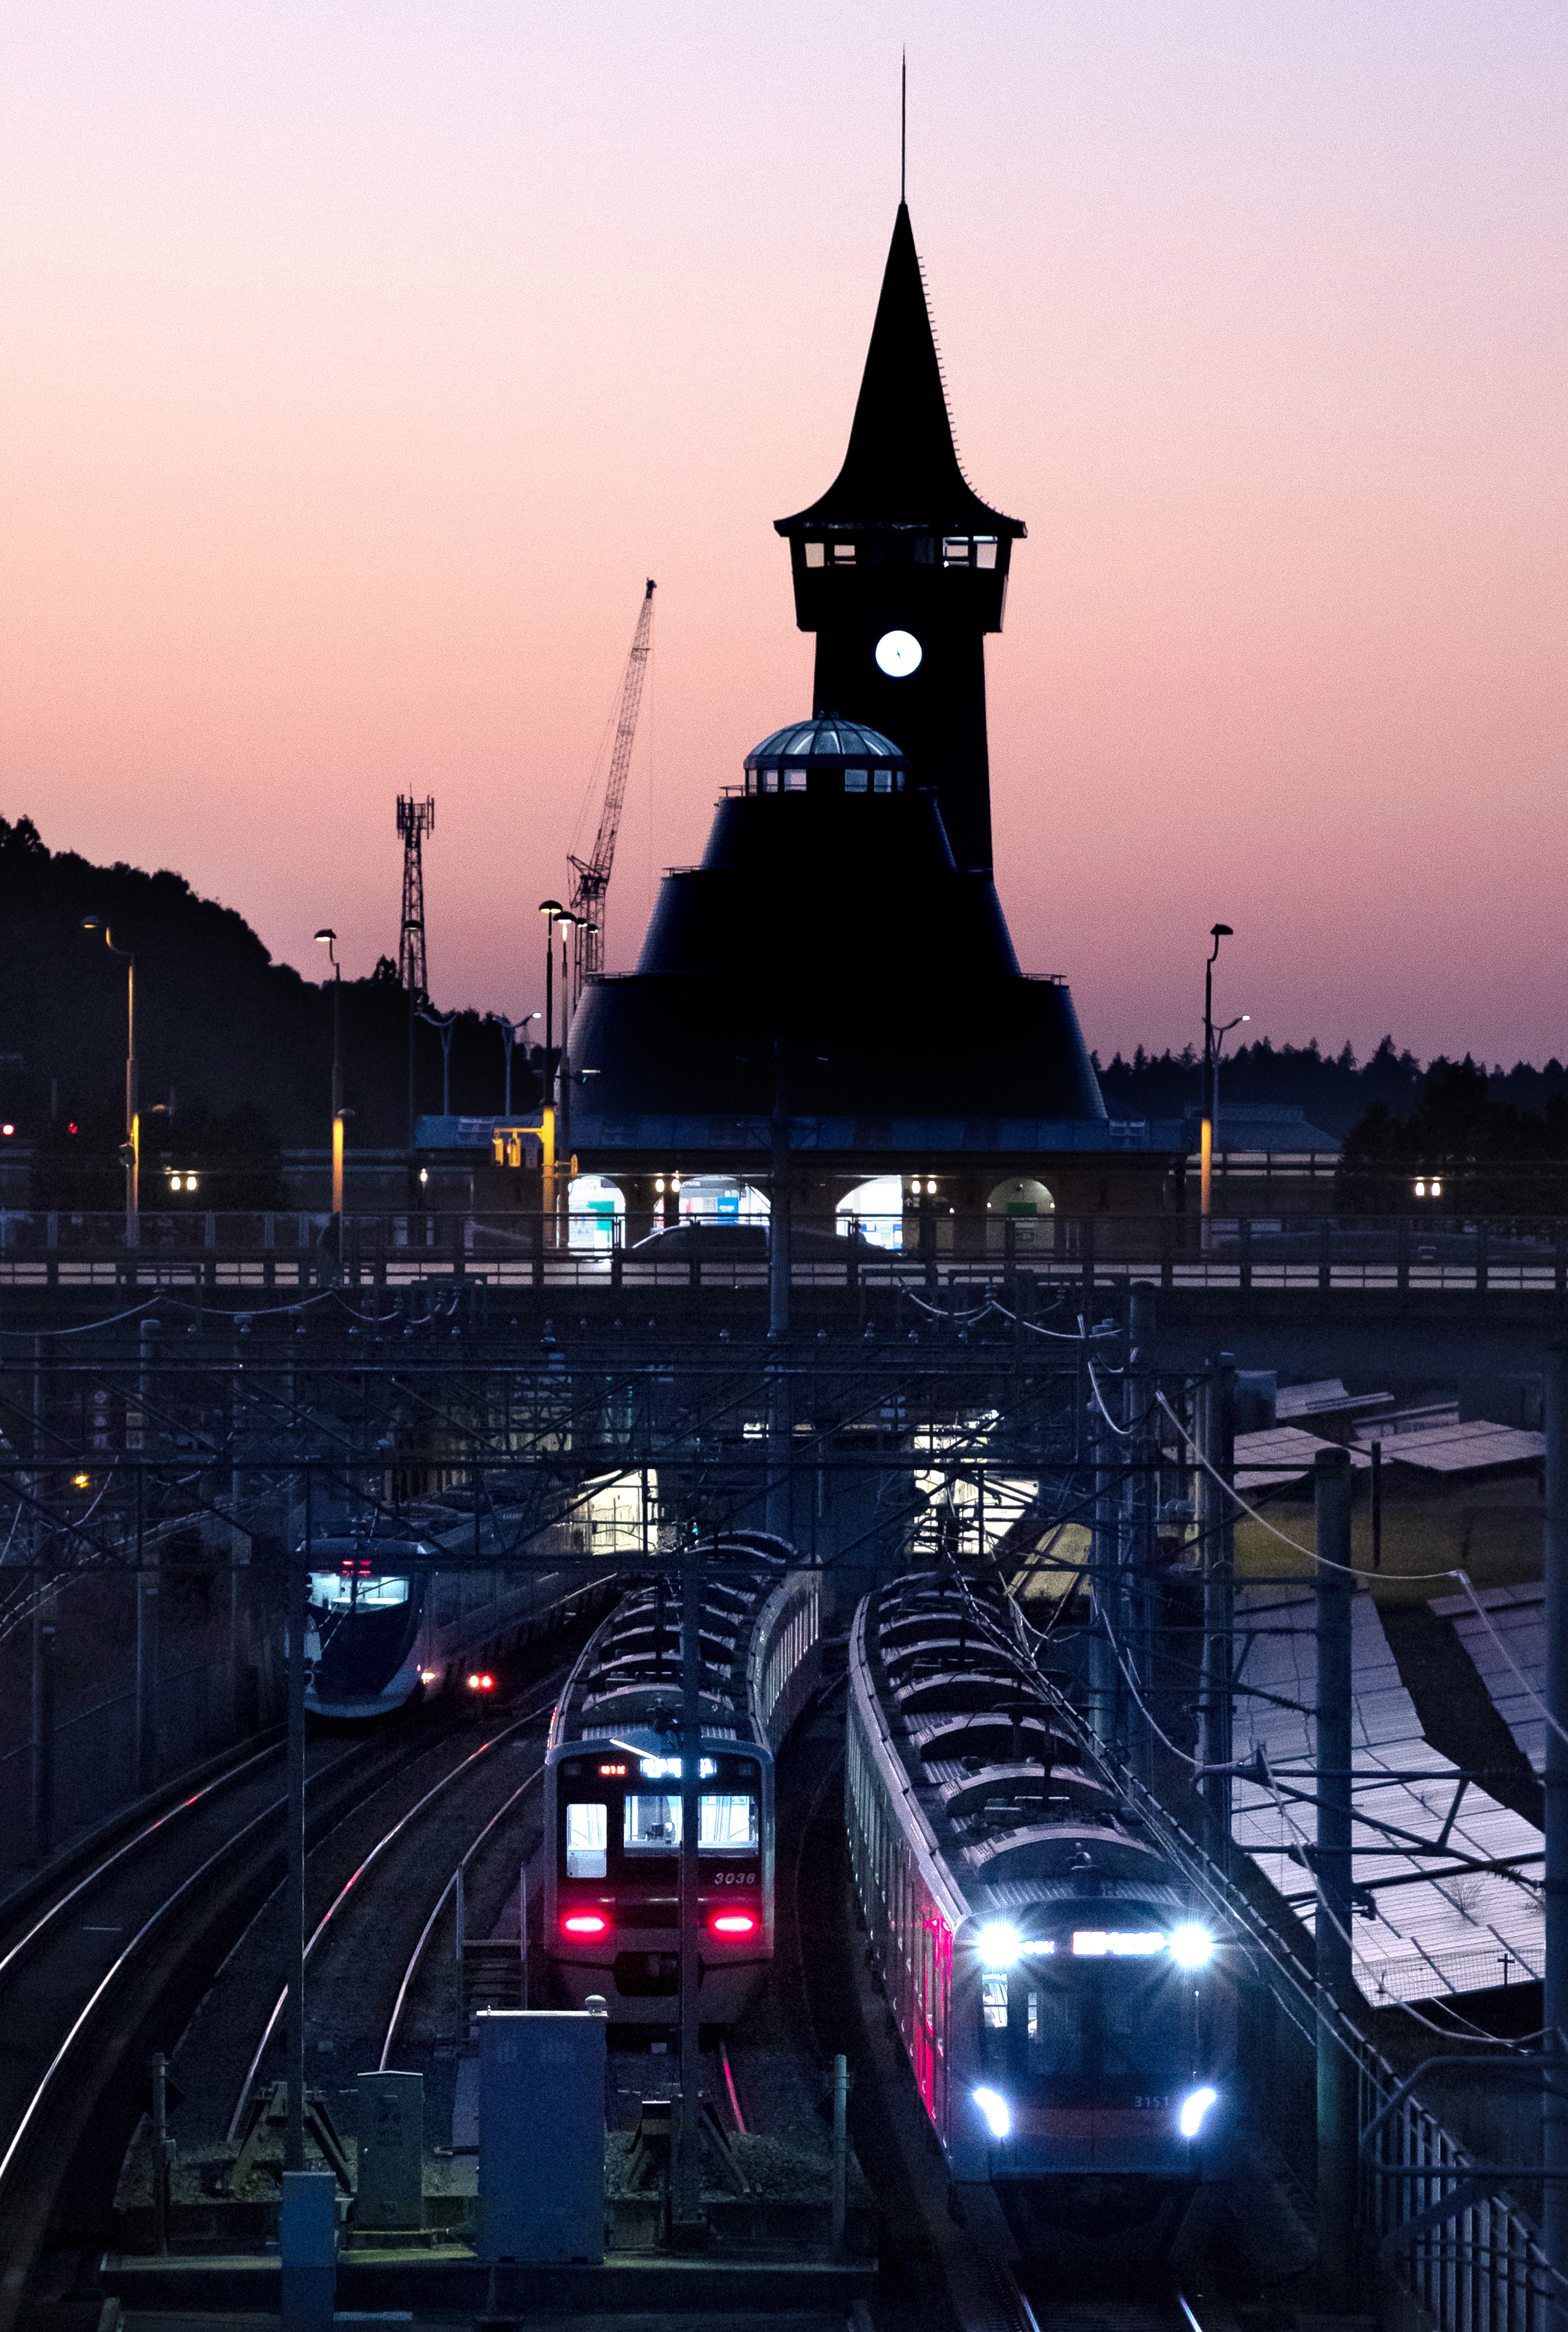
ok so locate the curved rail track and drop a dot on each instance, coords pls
(108, 1971)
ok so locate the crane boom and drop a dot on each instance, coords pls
(591, 877)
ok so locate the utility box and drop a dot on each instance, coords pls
(541, 2135)
(391, 2187)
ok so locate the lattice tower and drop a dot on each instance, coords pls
(415, 819)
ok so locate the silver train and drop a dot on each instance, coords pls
(1069, 2016)
(613, 1795)
(382, 1629)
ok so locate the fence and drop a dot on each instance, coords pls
(1395, 1254)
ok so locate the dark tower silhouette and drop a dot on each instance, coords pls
(901, 570)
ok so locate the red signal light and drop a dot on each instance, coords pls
(585, 1923)
(7, 1129)
(71, 1129)
(734, 1923)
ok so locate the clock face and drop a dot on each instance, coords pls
(898, 653)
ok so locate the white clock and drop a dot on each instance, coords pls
(898, 653)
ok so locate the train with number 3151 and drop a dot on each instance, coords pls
(1070, 2016)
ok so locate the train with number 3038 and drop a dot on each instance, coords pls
(1069, 2015)
(611, 1908)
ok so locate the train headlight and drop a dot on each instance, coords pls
(995, 2112)
(1194, 2110)
(1192, 1947)
(999, 1945)
(585, 1923)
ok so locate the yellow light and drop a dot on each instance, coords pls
(1437, 1189)
(1421, 1190)
(190, 1182)
(174, 1182)
(658, 1183)
(425, 1173)
(81, 1481)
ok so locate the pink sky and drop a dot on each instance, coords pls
(359, 361)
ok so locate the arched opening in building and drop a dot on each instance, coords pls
(1027, 1204)
(878, 1207)
(594, 1206)
(721, 1199)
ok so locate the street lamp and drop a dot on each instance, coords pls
(329, 940)
(131, 1150)
(511, 1030)
(416, 999)
(549, 909)
(1220, 1034)
(1206, 1139)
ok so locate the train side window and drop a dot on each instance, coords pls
(728, 1824)
(653, 1825)
(1034, 2016)
(587, 1841)
(994, 2002)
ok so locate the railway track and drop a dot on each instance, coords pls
(106, 1973)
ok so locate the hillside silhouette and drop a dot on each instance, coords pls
(242, 1044)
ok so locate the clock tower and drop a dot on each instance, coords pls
(901, 570)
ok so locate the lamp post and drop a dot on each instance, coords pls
(511, 1030)
(549, 909)
(568, 923)
(131, 1151)
(1206, 1139)
(416, 999)
(1220, 1034)
(329, 940)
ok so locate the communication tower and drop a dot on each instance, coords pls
(591, 877)
(415, 819)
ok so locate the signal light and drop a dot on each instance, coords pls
(585, 1923)
(7, 1129)
(734, 1923)
(79, 1482)
(481, 1682)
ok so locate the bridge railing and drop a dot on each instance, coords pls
(956, 1256)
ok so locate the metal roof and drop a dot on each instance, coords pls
(1518, 1616)
(1466, 1449)
(1462, 1931)
(1283, 1453)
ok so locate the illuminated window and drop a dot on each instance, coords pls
(728, 1824)
(814, 554)
(587, 1841)
(854, 781)
(332, 1589)
(994, 2002)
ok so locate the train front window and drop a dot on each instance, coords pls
(994, 2002)
(587, 1831)
(728, 1823)
(335, 1590)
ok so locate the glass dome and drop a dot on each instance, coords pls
(827, 740)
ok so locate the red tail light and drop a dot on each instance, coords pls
(481, 1683)
(585, 1923)
(734, 1923)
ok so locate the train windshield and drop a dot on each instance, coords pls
(346, 1590)
(727, 1822)
(1087, 2033)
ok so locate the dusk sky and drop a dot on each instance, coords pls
(360, 360)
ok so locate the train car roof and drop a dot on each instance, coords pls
(993, 1830)
(627, 1684)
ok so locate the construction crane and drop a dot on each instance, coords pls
(591, 876)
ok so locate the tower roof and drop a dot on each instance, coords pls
(902, 467)
(826, 739)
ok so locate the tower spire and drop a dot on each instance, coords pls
(902, 127)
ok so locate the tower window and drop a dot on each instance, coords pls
(843, 554)
(854, 781)
(769, 781)
(955, 550)
(985, 550)
(883, 781)
(794, 781)
(814, 554)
